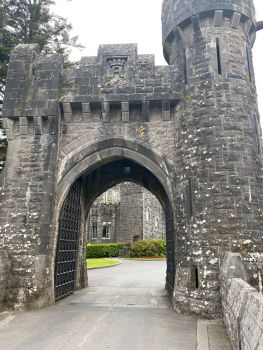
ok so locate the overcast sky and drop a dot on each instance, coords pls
(134, 21)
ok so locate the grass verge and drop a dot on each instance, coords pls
(100, 262)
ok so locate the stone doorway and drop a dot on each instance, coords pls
(70, 262)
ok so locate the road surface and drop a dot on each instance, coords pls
(125, 307)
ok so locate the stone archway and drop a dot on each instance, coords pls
(202, 145)
(93, 173)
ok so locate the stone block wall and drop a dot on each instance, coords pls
(242, 306)
(102, 214)
(154, 220)
(131, 224)
(28, 179)
(145, 222)
(218, 146)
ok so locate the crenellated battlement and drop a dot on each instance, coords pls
(118, 84)
(199, 15)
(32, 83)
(119, 81)
(176, 12)
(210, 41)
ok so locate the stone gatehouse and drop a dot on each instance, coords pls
(125, 213)
(188, 132)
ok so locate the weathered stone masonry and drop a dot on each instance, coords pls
(131, 212)
(188, 132)
(218, 147)
(242, 305)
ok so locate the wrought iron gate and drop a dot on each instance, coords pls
(68, 241)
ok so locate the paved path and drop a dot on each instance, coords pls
(125, 308)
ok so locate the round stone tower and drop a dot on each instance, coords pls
(219, 156)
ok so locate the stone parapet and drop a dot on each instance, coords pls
(119, 75)
(177, 14)
(32, 83)
(242, 306)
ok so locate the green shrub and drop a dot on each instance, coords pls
(161, 243)
(151, 247)
(105, 250)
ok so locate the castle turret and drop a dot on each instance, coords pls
(218, 144)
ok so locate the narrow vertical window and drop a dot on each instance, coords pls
(190, 199)
(185, 66)
(218, 55)
(94, 230)
(195, 277)
(249, 65)
(147, 215)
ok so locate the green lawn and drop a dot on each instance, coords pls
(100, 262)
(147, 259)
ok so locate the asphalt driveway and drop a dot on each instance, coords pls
(125, 307)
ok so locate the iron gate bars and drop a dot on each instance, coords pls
(68, 241)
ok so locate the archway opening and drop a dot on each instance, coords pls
(125, 213)
(70, 263)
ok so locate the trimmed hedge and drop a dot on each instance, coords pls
(105, 250)
(151, 247)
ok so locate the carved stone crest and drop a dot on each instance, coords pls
(116, 67)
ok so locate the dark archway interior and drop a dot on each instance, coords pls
(96, 181)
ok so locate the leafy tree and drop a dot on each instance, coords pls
(31, 21)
